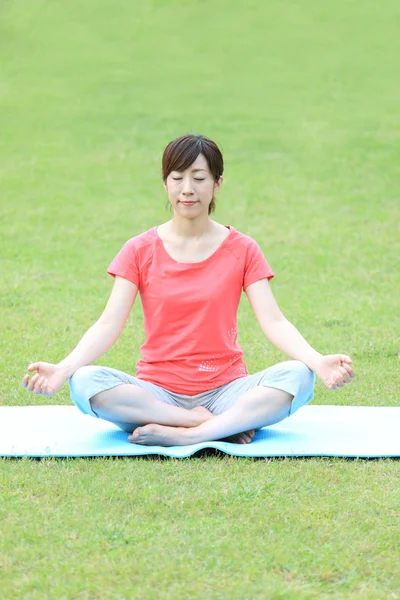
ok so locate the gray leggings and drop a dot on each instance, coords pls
(291, 376)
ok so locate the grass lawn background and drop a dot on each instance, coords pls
(302, 98)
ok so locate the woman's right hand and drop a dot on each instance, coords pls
(47, 381)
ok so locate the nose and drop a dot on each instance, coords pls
(187, 187)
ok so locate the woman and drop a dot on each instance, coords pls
(191, 385)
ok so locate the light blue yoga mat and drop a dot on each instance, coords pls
(314, 430)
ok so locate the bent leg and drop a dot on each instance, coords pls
(291, 376)
(122, 399)
(128, 403)
(256, 408)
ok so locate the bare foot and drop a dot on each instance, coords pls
(160, 435)
(246, 437)
(241, 438)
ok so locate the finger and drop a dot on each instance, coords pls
(340, 383)
(344, 375)
(336, 379)
(340, 373)
(349, 370)
(25, 381)
(33, 367)
(38, 386)
(349, 375)
(337, 384)
(32, 382)
(345, 358)
(46, 390)
(41, 385)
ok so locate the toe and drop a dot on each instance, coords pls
(135, 435)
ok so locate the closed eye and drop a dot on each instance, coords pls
(196, 178)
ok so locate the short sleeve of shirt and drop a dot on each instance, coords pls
(125, 264)
(256, 265)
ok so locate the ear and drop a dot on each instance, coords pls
(165, 185)
(218, 184)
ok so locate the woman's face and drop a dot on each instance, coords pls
(195, 185)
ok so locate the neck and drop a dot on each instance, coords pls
(190, 229)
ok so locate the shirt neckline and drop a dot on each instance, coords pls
(195, 264)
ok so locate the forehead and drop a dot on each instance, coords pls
(199, 164)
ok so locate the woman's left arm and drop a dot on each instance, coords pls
(334, 370)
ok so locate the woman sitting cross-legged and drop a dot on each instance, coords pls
(191, 385)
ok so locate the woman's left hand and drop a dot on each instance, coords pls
(334, 370)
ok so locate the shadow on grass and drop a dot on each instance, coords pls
(205, 453)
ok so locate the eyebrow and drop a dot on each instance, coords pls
(195, 170)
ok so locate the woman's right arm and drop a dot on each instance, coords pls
(105, 332)
(96, 342)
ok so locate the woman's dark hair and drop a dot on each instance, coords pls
(182, 152)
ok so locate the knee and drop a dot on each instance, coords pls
(305, 376)
(81, 381)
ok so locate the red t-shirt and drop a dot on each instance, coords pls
(190, 309)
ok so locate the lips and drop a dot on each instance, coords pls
(188, 203)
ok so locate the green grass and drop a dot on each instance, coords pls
(303, 99)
